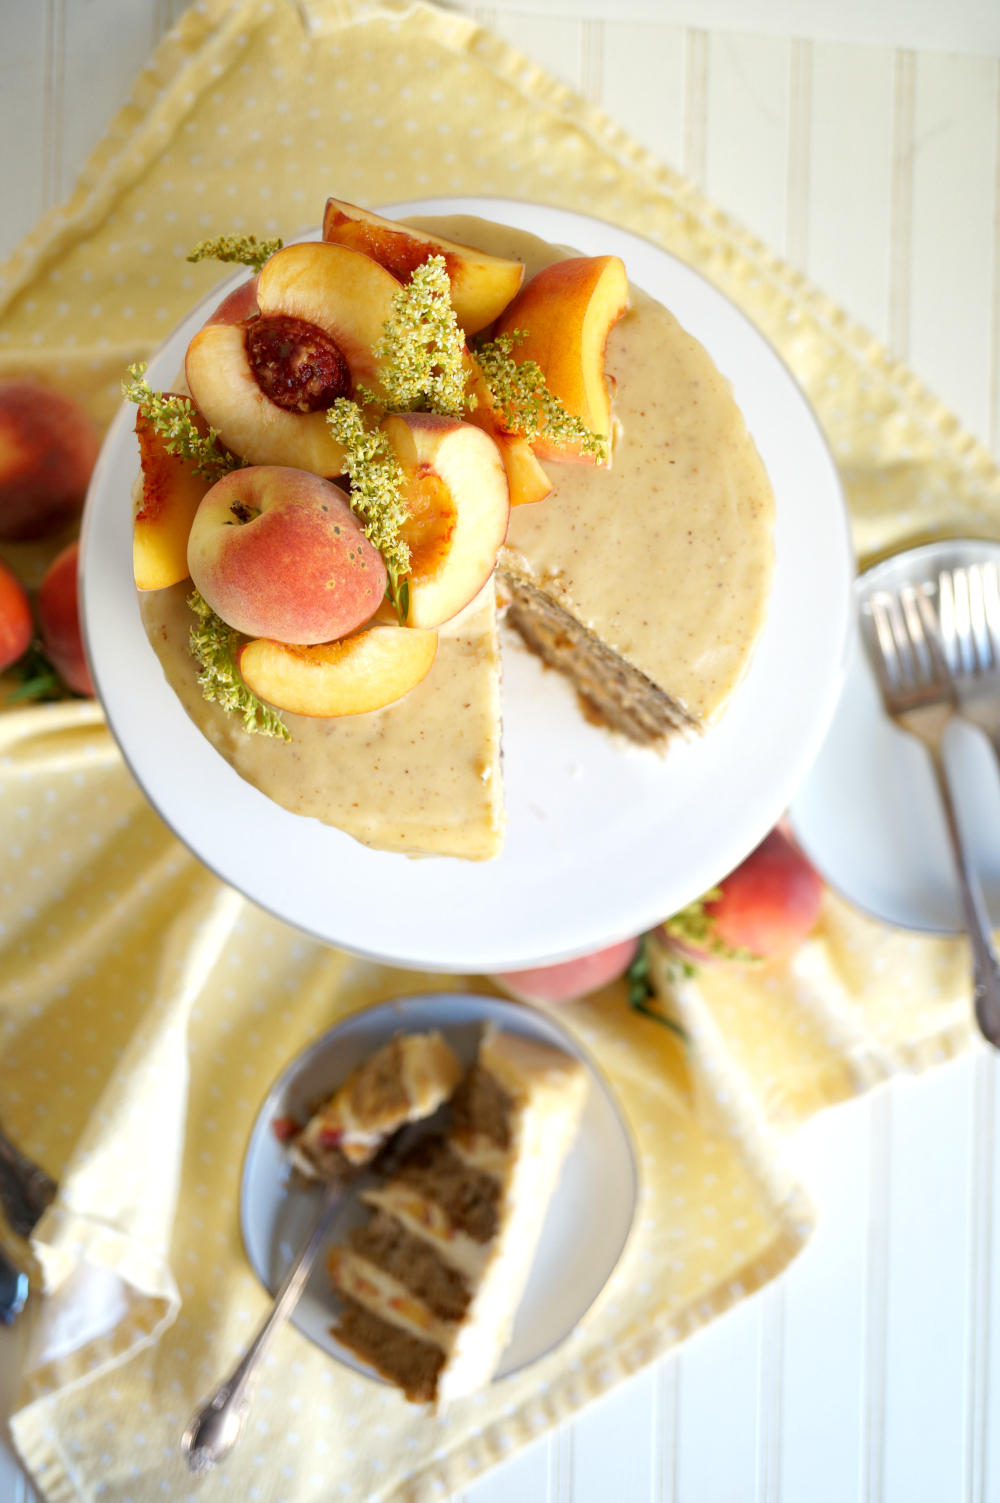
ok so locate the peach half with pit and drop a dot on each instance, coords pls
(163, 514)
(265, 382)
(567, 311)
(278, 553)
(458, 507)
(481, 285)
(360, 673)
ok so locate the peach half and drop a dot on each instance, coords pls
(360, 673)
(265, 383)
(567, 311)
(481, 285)
(161, 522)
(458, 505)
(278, 553)
(526, 480)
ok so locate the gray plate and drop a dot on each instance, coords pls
(585, 1231)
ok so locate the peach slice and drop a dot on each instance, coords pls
(567, 311)
(526, 479)
(373, 668)
(279, 553)
(481, 285)
(458, 503)
(161, 522)
(265, 383)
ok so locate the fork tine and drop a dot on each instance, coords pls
(977, 617)
(888, 658)
(991, 605)
(915, 631)
(946, 619)
(901, 637)
(963, 621)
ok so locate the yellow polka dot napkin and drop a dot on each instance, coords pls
(145, 1008)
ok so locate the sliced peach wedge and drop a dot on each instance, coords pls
(364, 672)
(458, 503)
(162, 516)
(526, 479)
(567, 311)
(481, 285)
(265, 382)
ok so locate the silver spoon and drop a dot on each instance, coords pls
(218, 1425)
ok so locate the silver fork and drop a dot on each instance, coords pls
(969, 617)
(904, 642)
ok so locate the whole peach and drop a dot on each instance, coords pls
(15, 619)
(59, 617)
(767, 906)
(570, 979)
(48, 447)
(278, 553)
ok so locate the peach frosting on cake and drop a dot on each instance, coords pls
(645, 579)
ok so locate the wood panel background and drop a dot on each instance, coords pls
(863, 142)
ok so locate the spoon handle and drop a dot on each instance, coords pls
(218, 1425)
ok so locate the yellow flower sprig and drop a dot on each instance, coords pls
(376, 493)
(246, 250)
(172, 417)
(528, 406)
(213, 645)
(420, 352)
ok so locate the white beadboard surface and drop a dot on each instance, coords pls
(862, 141)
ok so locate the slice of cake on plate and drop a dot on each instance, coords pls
(404, 1081)
(431, 1284)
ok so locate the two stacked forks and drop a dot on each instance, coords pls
(933, 662)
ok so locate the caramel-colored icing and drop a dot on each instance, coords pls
(668, 555)
(421, 776)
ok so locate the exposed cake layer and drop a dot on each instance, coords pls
(421, 776)
(404, 1081)
(446, 1256)
(610, 689)
(409, 1362)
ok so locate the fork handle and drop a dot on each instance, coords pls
(985, 969)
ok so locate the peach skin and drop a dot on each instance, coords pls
(481, 285)
(458, 504)
(161, 520)
(278, 553)
(48, 447)
(567, 311)
(360, 673)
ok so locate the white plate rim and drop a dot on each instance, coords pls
(502, 929)
(515, 1016)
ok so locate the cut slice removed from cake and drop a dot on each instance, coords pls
(404, 1081)
(431, 1284)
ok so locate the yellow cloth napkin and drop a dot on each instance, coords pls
(146, 1008)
